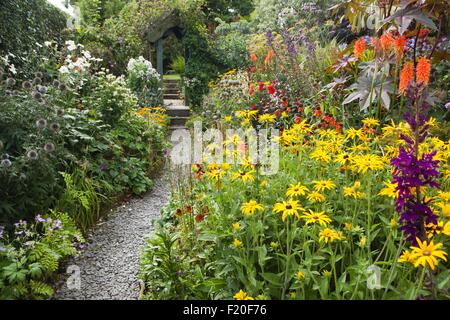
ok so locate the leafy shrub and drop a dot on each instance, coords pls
(25, 26)
(145, 82)
(81, 199)
(109, 98)
(31, 256)
(178, 65)
(32, 151)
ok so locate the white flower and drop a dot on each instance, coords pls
(87, 55)
(12, 69)
(71, 45)
(47, 43)
(63, 69)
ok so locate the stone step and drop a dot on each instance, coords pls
(178, 112)
(171, 96)
(171, 80)
(178, 121)
(176, 127)
(172, 91)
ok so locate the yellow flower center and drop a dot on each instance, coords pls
(426, 253)
(315, 217)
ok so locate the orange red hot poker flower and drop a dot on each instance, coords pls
(359, 47)
(423, 69)
(399, 47)
(406, 76)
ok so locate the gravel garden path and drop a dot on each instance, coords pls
(109, 265)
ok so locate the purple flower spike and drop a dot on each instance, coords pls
(411, 172)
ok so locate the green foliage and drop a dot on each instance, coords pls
(28, 260)
(32, 154)
(83, 124)
(178, 65)
(25, 25)
(81, 199)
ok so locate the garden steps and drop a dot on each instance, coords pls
(172, 89)
(178, 113)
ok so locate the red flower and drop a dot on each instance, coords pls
(277, 112)
(423, 33)
(254, 107)
(284, 102)
(298, 119)
(253, 57)
(253, 69)
(317, 113)
(260, 86)
(199, 217)
(252, 88)
(179, 213)
(188, 209)
(271, 89)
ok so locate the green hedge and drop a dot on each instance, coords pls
(23, 24)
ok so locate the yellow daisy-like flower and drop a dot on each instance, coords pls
(213, 166)
(242, 295)
(225, 166)
(236, 226)
(371, 122)
(244, 176)
(446, 229)
(302, 127)
(315, 196)
(389, 190)
(406, 257)
(366, 162)
(343, 158)
(296, 190)
(433, 229)
(427, 254)
(445, 196)
(352, 133)
(266, 118)
(322, 185)
(320, 154)
(358, 148)
(316, 217)
(249, 208)
(445, 207)
(215, 174)
(300, 276)
(291, 208)
(352, 192)
(237, 243)
(328, 235)
(246, 114)
(227, 118)
(247, 164)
